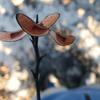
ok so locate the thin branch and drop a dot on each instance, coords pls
(87, 97)
(36, 73)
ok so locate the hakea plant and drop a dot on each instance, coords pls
(36, 30)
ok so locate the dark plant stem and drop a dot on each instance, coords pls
(87, 97)
(36, 73)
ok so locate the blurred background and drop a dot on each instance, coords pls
(70, 66)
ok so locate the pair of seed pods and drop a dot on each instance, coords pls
(37, 29)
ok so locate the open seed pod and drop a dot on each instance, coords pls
(30, 27)
(12, 36)
(62, 40)
(50, 20)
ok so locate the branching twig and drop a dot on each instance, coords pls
(38, 58)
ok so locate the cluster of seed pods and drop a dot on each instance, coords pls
(37, 29)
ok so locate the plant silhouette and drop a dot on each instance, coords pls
(36, 30)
